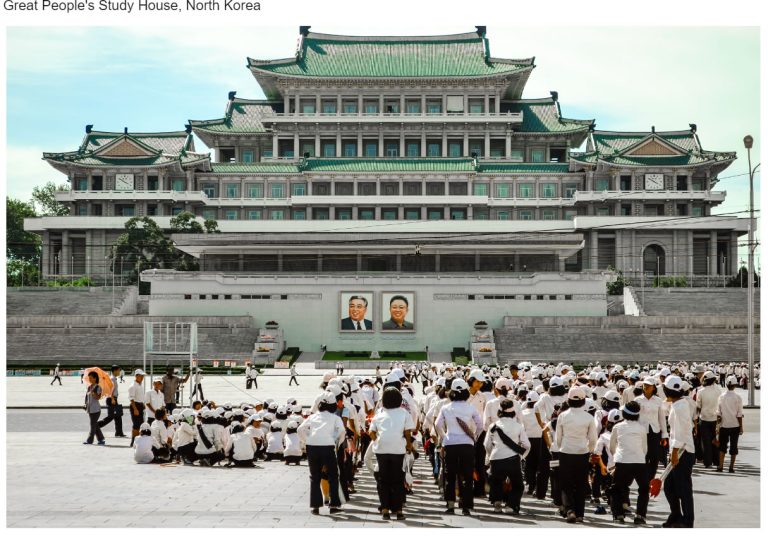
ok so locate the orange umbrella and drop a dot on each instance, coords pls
(104, 381)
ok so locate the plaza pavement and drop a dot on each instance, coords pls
(51, 477)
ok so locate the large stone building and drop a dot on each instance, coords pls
(398, 157)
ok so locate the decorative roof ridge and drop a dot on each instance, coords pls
(160, 134)
(653, 135)
(133, 138)
(540, 100)
(240, 100)
(465, 36)
(643, 133)
(253, 62)
(513, 61)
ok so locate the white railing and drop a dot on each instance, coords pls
(614, 195)
(342, 117)
(132, 195)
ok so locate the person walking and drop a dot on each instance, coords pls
(56, 374)
(137, 396)
(93, 407)
(629, 444)
(707, 398)
(248, 382)
(322, 433)
(576, 436)
(730, 415)
(114, 408)
(653, 417)
(457, 425)
(678, 487)
(390, 433)
(504, 444)
(379, 380)
(254, 377)
(197, 379)
(294, 376)
(171, 383)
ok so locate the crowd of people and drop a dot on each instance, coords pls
(492, 434)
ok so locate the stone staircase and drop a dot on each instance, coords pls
(63, 300)
(680, 301)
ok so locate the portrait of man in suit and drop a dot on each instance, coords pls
(399, 312)
(357, 312)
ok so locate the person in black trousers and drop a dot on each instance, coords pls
(93, 408)
(56, 375)
(114, 409)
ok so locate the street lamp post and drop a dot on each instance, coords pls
(751, 273)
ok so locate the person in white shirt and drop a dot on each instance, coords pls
(653, 418)
(275, 441)
(536, 467)
(478, 399)
(390, 431)
(160, 440)
(576, 436)
(255, 430)
(678, 487)
(137, 397)
(185, 437)
(240, 447)
(458, 424)
(294, 376)
(292, 449)
(730, 414)
(155, 400)
(504, 444)
(707, 397)
(211, 439)
(602, 458)
(629, 444)
(323, 432)
(142, 448)
(197, 383)
(248, 381)
(56, 375)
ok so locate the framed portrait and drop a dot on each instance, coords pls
(398, 311)
(356, 311)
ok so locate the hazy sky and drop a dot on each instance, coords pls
(147, 79)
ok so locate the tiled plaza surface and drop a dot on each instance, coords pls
(55, 481)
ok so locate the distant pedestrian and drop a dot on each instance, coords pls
(114, 408)
(171, 383)
(82, 374)
(56, 375)
(93, 408)
(254, 377)
(137, 397)
(155, 400)
(379, 381)
(197, 379)
(730, 415)
(248, 381)
(294, 376)
(122, 376)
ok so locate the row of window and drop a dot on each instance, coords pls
(391, 105)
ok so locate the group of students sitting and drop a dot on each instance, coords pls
(209, 435)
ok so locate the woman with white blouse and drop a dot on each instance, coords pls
(390, 432)
(576, 436)
(629, 445)
(458, 425)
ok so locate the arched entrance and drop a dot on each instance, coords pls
(653, 260)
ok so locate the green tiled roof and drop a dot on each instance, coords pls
(253, 167)
(166, 142)
(612, 142)
(91, 160)
(357, 165)
(588, 158)
(523, 167)
(680, 160)
(324, 55)
(543, 115)
(242, 116)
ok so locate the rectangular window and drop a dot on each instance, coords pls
(308, 107)
(537, 155)
(454, 104)
(516, 154)
(299, 214)
(602, 211)
(350, 149)
(371, 107)
(602, 184)
(254, 214)
(343, 189)
(329, 149)
(82, 184)
(209, 214)
(480, 189)
(179, 185)
(176, 210)
(454, 149)
(525, 190)
(476, 148)
(321, 213)
(391, 149)
(548, 190)
(82, 210)
(233, 190)
(626, 210)
(548, 214)
(570, 214)
(434, 149)
(267, 153)
(458, 214)
(412, 214)
(371, 149)
(480, 213)
(476, 106)
(298, 189)
(389, 214)
(329, 107)
(434, 107)
(276, 214)
(697, 211)
(349, 106)
(125, 210)
(231, 214)
(343, 214)
(255, 190)
(412, 149)
(413, 107)
(502, 215)
(308, 149)
(526, 215)
(570, 190)
(502, 190)
(277, 190)
(248, 156)
(434, 214)
(365, 214)
(366, 189)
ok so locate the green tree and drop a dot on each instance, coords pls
(143, 246)
(211, 226)
(19, 243)
(185, 222)
(44, 200)
(21, 272)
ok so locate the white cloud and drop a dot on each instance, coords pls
(25, 169)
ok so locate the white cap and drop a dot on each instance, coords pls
(293, 424)
(503, 383)
(673, 382)
(531, 397)
(709, 375)
(328, 376)
(459, 385)
(555, 381)
(477, 374)
(328, 398)
(612, 395)
(144, 427)
(139, 372)
(614, 415)
(392, 377)
(601, 377)
(731, 381)
(686, 386)
(577, 392)
(665, 372)
(440, 382)
(590, 404)
(334, 390)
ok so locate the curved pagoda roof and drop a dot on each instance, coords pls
(241, 117)
(650, 149)
(329, 56)
(101, 149)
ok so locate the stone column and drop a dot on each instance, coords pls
(381, 143)
(423, 212)
(65, 259)
(689, 181)
(296, 146)
(733, 253)
(486, 111)
(401, 213)
(46, 250)
(317, 145)
(360, 105)
(713, 253)
(274, 146)
(423, 104)
(338, 143)
(465, 145)
(508, 145)
(487, 144)
(423, 143)
(359, 144)
(593, 250)
(444, 152)
(402, 143)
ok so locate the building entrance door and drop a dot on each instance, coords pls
(653, 260)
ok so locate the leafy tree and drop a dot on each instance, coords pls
(211, 226)
(44, 200)
(20, 272)
(19, 243)
(616, 287)
(185, 222)
(143, 246)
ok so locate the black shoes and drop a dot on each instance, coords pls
(450, 511)
(315, 511)
(466, 512)
(400, 516)
(335, 510)
(386, 516)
